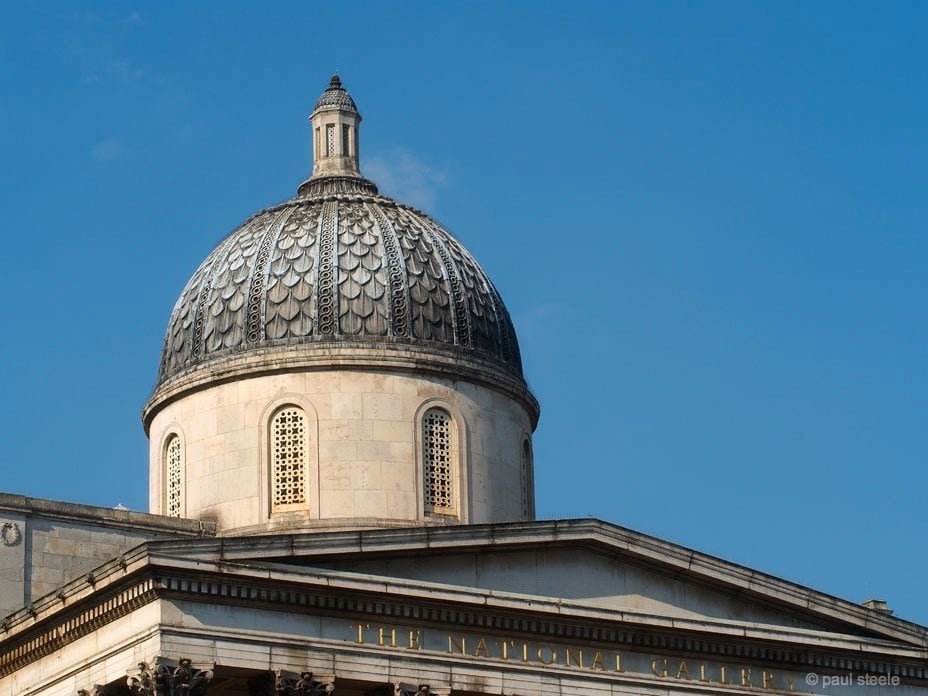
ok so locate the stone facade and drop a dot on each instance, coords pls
(363, 445)
(45, 544)
(257, 616)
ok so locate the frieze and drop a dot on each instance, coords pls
(475, 633)
(591, 659)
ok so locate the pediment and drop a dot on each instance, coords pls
(583, 576)
(583, 562)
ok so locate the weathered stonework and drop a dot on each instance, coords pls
(363, 446)
(48, 543)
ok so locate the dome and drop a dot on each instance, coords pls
(340, 360)
(335, 97)
(339, 273)
(339, 268)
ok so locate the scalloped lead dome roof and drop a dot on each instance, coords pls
(339, 265)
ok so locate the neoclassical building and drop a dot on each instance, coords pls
(342, 501)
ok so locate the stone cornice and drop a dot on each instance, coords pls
(357, 597)
(595, 534)
(105, 517)
(343, 354)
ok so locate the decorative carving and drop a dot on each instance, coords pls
(197, 343)
(411, 690)
(258, 273)
(10, 534)
(226, 306)
(289, 300)
(484, 317)
(429, 304)
(177, 340)
(461, 323)
(303, 684)
(508, 339)
(335, 97)
(169, 678)
(329, 185)
(399, 308)
(345, 266)
(327, 269)
(361, 281)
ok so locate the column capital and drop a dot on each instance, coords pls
(404, 689)
(168, 677)
(283, 683)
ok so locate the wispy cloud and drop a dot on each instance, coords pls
(108, 149)
(101, 47)
(541, 316)
(404, 176)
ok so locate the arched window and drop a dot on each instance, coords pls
(439, 465)
(174, 477)
(288, 459)
(528, 483)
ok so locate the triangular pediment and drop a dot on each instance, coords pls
(583, 562)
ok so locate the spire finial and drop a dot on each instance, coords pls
(335, 120)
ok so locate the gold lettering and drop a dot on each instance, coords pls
(460, 645)
(541, 659)
(618, 662)
(504, 648)
(381, 634)
(547, 654)
(569, 657)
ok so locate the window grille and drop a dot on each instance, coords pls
(345, 135)
(526, 479)
(439, 465)
(288, 459)
(330, 140)
(174, 469)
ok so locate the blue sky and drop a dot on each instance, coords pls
(707, 219)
